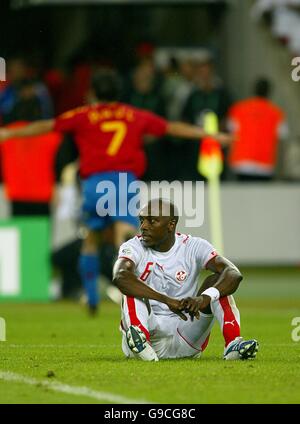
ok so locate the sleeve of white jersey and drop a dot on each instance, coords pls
(129, 250)
(203, 251)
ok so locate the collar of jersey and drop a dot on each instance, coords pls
(168, 252)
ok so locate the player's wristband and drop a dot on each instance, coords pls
(213, 293)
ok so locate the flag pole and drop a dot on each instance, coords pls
(210, 165)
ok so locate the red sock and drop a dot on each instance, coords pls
(231, 328)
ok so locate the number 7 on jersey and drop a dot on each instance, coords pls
(119, 130)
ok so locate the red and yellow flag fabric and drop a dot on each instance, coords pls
(210, 162)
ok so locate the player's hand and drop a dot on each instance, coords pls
(194, 305)
(176, 306)
(4, 134)
(224, 139)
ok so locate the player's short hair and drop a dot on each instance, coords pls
(106, 85)
(166, 208)
(262, 87)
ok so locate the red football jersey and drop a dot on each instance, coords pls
(110, 136)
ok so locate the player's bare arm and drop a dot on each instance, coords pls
(229, 275)
(130, 285)
(36, 128)
(184, 130)
(225, 280)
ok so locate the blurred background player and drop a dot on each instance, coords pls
(257, 125)
(108, 135)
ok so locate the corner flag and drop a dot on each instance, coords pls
(210, 165)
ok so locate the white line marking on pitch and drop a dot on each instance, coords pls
(97, 346)
(65, 388)
(54, 346)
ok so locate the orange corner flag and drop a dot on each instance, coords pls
(210, 162)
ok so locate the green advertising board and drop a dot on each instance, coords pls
(24, 259)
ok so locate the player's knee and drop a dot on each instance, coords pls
(207, 310)
(91, 242)
(123, 232)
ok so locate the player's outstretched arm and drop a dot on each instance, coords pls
(127, 282)
(224, 281)
(183, 130)
(36, 128)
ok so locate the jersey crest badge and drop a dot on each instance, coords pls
(180, 276)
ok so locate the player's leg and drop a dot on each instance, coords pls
(174, 338)
(89, 261)
(123, 231)
(225, 311)
(89, 268)
(136, 327)
(228, 316)
(191, 337)
(125, 219)
(125, 225)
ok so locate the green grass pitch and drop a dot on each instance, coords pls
(83, 352)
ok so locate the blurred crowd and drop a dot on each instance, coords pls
(284, 19)
(180, 87)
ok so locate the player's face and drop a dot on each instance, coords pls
(155, 230)
(157, 227)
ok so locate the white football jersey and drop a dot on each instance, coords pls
(173, 273)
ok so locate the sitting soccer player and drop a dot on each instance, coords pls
(157, 273)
